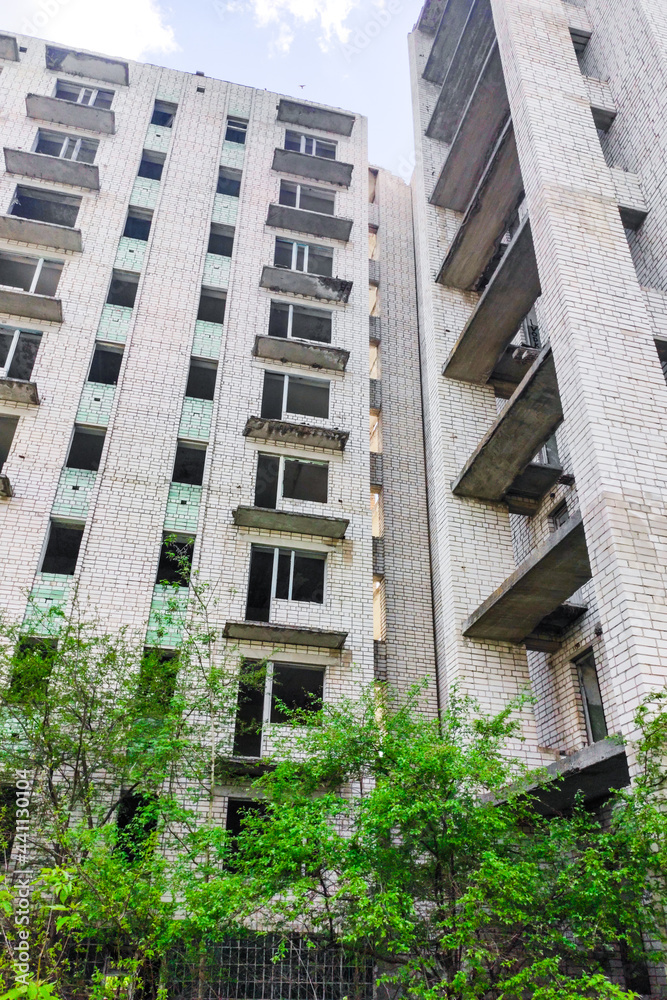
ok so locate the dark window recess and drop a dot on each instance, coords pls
(237, 130)
(661, 348)
(175, 561)
(221, 242)
(31, 668)
(229, 182)
(189, 465)
(105, 366)
(320, 261)
(137, 227)
(308, 579)
(306, 324)
(201, 380)
(250, 710)
(136, 821)
(308, 397)
(258, 605)
(156, 684)
(17, 355)
(266, 483)
(308, 198)
(305, 481)
(62, 550)
(272, 396)
(85, 450)
(8, 427)
(279, 320)
(283, 254)
(559, 516)
(163, 114)
(591, 697)
(237, 811)
(122, 291)
(151, 166)
(83, 95)
(211, 308)
(295, 689)
(7, 822)
(21, 272)
(45, 206)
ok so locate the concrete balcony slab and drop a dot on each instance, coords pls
(547, 637)
(545, 580)
(94, 67)
(263, 429)
(44, 234)
(52, 109)
(318, 168)
(530, 486)
(284, 520)
(52, 168)
(603, 106)
(430, 15)
(295, 113)
(9, 48)
(313, 223)
(14, 390)
(314, 286)
(511, 368)
(20, 303)
(300, 352)
(448, 30)
(592, 772)
(284, 635)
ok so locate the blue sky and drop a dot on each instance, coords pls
(349, 53)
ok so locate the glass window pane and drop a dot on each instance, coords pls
(49, 278)
(250, 710)
(283, 254)
(326, 149)
(308, 145)
(17, 273)
(590, 688)
(50, 145)
(308, 580)
(258, 604)
(67, 92)
(311, 324)
(272, 396)
(266, 484)
(287, 193)
(295, 689)
(293, 141)
(87, 151)
(103, 99)
(308, 397)
(24, 356)
(305, 481)
(300, 258)
(278, 319)
(320, 261)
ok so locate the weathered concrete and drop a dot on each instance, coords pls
(310, 116)
(603, 107)
(551, 574)
(314, 223)
(447, 37)
(9, 48)
(430, 15)
(19, 303)
(483, 121)
(511, 368)
(285, 520)
(280, 635)
(300, 352)
(505, 301)
(547, 637)
(264, 429)
(52, 109)
(15, 390)
(45, 234)
(531, 415)
(495, 199)
(593, 771)
(52, 168)
(315, 286)
(92, 66)
(319, 168)
(631, 201)
(530, 486)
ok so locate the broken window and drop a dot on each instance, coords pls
(45, 206)
(375, 428)
(189, 465)
(138, 224)
(250, 709)
(31, 668)
(221, 240)
(289, 478)
(136, 820)
(377, 512)
(212, 306)
(303, 257)
(8, 427)
(295, 688)
(372, 185)
(372, 243)
(85, 450)
(379, 609)
(285, 574)
(31, 274)
(152, 165)
(237, 812)
(237, 130)
(274, 693)
(596, 725)
(201, 380)
(66, 147)
(156, 684)
(123, 289)
(62, 549)
(229, 182)
(175, 561)
(375, 368)
(294, 394)
(163, 114)
(310, 199)
(300, 322)
(310, 145)
(105, 366)
(559, 516)
(93, 97)
(18, 350)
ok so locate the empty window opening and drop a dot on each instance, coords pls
(294, 394)
(152, 165)
(372, 185)
(221, 240)
(237, 130)
(18, 350)
(156, 684)
(138, 224)
(300, 322)
(374, 365)
(596, 725)
(289, 478)
(136, 821)
(66, 147)
(375, 429)
(8, 427)
(62, 549)
(201, 90)
(212, 306)
(201, 380)
(189, 465)
(283, 574)
(250, 709)
(85, 450)
(238, 812)
(8, 798)
(377, 511)
(123, 289)
(296, 692)
(379, 610)
(105, 366)
(373, 300)
(310, 199)
(303, 257)
(31, 274)
(372, 243)
(45, 206)
(661, 348)
(559, 516)
(93, 97)
(310, 145)
(175, 563)
(163, 114)
(31, 668)
(274, 693)
(229, 182)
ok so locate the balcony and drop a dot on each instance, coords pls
(52, 168)
(310, 116)
(263, 429)
(14, 390)
(300, 352)
(52, 109)
(313, 223)
(28, 304)
(282, 635)
(289, 521)
(314, 286)
(93, 67)
(511, 368)
(591, 773)
(45, 234)
(526, 608)
(9, 48)
(317, 168)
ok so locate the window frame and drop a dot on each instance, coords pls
(93, 93)
(16, 334)
(291, 306)
(267, 724)
(39, 265)
(237, 125)
(286, 376)
(277, 549)
(308, 187)
(297, 245)
(588, 657)
(313, 140)
(66, 140)
(282, 459)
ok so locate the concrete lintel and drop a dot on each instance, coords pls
(532, 484)
(300, 352)
(314, 116)
(9, 48)
(511, 368)
(44, 234)
(543, 581)
(88, 64)
(17, 391)
(482, 123)
(448, 33)
(19, 303)
(507, 298)
(463, 71)
(319, 168)
(531, 415)
(284, 635)
(580, 27)
(314, 286)
(430, 15)
(285, 520)
(265, 429)
(595, 771)
(314, 223)
(52, 109)
(603, 106)
(52, 168)
(496, 197)
(5, 487)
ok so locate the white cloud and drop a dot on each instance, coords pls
(130, 28)
(330, 15)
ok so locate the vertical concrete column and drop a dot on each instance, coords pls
(613, 391)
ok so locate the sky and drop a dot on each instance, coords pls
(348, 53)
